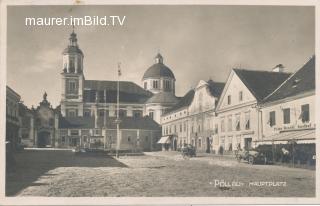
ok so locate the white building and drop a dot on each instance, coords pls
(289, 112)
(192, 119)
(239, 119)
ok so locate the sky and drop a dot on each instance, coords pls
(197, 42)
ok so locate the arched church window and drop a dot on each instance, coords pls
(155, 84)
(71, 64)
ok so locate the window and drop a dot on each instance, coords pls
(200, 101)
(175, 128)
(238, 122)
(72, 87)
(286, 116)
(229, 99)
(151, 115)
(137, 113)
(272, 118)
(199, 143)
(192, 128)
(129, 139)
(97, 132)
(71, 113)
(216, 128)
(101, 113)
(51, 121)
(167, 85)
(184, 127)
(155, 84)
(192, 142)
(240, 96)
(145, 85)
(199, 128)
(247, 120)
(122, 113)
(222, 125)
(230, 143)
(71, 64)
(305, 113)
(180, 127)
(87, 113)
(74, 132)
(230, 123)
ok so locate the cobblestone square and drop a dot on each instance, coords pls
(63, 174)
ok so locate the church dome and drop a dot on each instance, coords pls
(158, 70)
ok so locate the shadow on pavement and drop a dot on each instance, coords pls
(31, 164)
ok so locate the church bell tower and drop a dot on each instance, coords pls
(72, 79)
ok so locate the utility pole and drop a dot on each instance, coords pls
(118, 120)
(104, 120)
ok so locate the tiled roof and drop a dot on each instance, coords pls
(164, 98)
(184, 101)
(133, 123)
(76, 122)
(261, 83)
(215, 88)
(301, 81)
(129, 92)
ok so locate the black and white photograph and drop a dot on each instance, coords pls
(157, 100)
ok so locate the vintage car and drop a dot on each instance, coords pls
(251, 156)
(188, 151)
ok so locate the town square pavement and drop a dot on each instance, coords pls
(61, 173)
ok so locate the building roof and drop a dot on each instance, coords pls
(129, 92)
(215, 88)
(76, 122)
(164, 98)
(72, 50)
(146, 123)
(158, 70)
(261, 83)
(184, 101)
(300, 82)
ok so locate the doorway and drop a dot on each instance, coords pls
(43, 139)
(208, 145)
(247, 143)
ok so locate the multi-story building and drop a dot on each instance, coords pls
(12, 117)
(192, 119)
(239, 118)
(288, 113)
(89, 107)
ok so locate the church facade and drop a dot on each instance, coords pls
(86, 116)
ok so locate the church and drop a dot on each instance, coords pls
(86, 116)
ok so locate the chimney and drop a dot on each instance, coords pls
(278, 68)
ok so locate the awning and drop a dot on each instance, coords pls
(164, 140)
(299, 136)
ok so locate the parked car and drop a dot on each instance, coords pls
(252, 156)
(188, 150)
